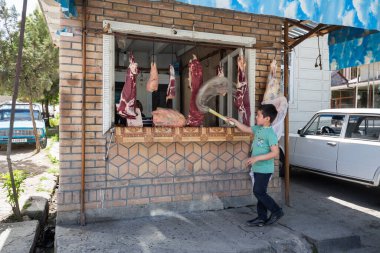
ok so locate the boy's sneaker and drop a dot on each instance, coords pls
(274, 217)
(256, 222)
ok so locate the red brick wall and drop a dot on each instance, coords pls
(101, 191)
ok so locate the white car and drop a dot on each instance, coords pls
(341, 143)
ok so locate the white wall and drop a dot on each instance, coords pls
(373, 69)
(309, 87)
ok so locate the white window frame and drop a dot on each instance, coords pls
(167, 33)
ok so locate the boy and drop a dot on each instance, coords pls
(264, 150)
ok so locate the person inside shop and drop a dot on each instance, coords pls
(139, 105)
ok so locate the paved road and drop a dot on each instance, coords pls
(357, 194)
(356, 207)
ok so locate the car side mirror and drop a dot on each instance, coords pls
(299, 131)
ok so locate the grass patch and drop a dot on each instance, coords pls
(53, 171)
(55, 138)
(27, 204)
(53, 159)
(43, 178)
(40, 188)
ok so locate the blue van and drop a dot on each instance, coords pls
(23, 125)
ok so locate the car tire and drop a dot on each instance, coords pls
(43, 143)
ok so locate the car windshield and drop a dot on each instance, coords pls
(5, 115)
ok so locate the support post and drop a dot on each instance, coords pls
(286, 134)
(83, 140)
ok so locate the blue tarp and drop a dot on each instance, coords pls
(355, 13)
(68, 8)
(348, 47)
(351, 47)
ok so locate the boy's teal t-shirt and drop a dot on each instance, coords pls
(264, 138)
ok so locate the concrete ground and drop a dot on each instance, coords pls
(314, 223)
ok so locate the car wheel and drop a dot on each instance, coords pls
(43, 143)
(281, 164)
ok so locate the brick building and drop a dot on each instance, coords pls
(140, 171)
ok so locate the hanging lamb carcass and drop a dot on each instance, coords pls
(152, 84)
(195, 118)
(274, 95)
(127, 105)
(241, 98)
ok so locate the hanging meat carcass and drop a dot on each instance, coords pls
(195, 117)
(127, 105)
(241, 98)
(170, 93)
(152, 84)
(274, 95)
(220, 71)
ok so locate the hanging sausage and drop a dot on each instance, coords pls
(127, 105)
(195, 117)
(241, 98)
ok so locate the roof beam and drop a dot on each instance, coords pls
(300, 25)
(313, 31)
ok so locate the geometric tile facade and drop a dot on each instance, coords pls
(178, 171)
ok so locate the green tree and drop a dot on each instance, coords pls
(40, 63)
(9, 33)
(39, 77)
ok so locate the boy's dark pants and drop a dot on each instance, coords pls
(264, 201)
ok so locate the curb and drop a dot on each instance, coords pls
(19, 237)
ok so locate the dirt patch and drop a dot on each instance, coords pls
(24, 157)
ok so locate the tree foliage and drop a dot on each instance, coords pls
(39, 75)
(39, 78)
(8, 46)
(19, 178)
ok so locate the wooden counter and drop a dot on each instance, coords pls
(178, 134)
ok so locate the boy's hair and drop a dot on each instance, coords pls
(268, 110)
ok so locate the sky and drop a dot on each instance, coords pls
(31, 6)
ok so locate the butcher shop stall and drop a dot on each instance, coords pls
(140, 92)
(167, 136)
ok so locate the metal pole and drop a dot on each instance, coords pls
(368, 94)
(373, 85)
(14, 98)
(286, 135)
(83, 141)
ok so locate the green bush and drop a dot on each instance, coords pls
(54, 122)
(19, 176)
(55, 138)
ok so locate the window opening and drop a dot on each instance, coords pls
(363, 128)
(326, 125)
(165, 53)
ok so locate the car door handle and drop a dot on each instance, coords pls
(330, 143)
